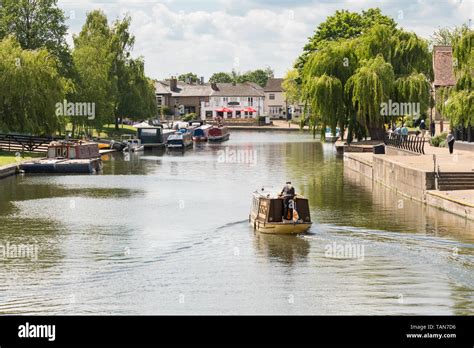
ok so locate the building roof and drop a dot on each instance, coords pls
(274, 85)
(443, 66)
(246, 89)
(183, 89)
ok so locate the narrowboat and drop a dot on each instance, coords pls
(179, 140)
(266, 214)
(201, 133)
(67, 157)
(329, 137)
(218, 133)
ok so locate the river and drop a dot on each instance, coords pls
(168, 233)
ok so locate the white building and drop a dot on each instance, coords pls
(228, 100)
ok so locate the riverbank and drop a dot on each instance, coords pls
(8, 170)
(9, 162)
(277, 125)
(413, 176)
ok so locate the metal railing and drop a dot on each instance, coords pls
(406, 142)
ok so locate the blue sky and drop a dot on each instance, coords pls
(206, 36)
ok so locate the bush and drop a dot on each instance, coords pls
(439, 140)
(189, 117)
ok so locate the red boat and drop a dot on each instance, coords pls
(218, 133)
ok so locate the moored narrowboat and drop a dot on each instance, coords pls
(218, 133)
(179, 140)
(201, 133)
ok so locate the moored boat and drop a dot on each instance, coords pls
(266, 214)
(133, 145)
(329, 137)
(179, 140)
(201, 133)
(67, 157)
(218, 133)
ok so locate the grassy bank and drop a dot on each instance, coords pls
(10, 158)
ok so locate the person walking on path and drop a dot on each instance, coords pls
(450, 140)
(422, 128)
(432, 128)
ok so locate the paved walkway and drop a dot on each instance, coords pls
(459, 161)
(465, 197)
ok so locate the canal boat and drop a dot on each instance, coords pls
(331, 138)
(201, 133)
(67, 157)
(133, 145)
(179, 140)
(266, 214)
(218, 133)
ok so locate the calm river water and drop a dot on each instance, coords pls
(168, 234)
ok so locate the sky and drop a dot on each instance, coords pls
(207, 36)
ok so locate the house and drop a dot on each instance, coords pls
(182, 98)
(276, 105)
(443, 77)
(275, 101)
(234, 100)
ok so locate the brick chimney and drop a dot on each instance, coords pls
(173, 84)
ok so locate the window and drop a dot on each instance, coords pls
(250, 100)
(275, 110)
(272, 97)
(225, 99)
(159, 100)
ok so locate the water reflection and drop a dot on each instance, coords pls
(284, 249)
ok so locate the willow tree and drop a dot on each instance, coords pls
(410, 59)
(30, 87)
(326, 101)
(458, 101)
(367, 89)
(323, 79)
(413, 88)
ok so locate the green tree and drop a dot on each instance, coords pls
(291, 88)
(37, 24)
(188, 78)
(457, 103)
(342, 25)
(259, 76)
(94, 59)
(221, 77)
(30, 87)
(138, 98)
(367, 89)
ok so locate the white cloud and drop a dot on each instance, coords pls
(177, 36)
